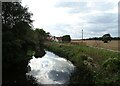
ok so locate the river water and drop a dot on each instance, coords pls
(50, 69)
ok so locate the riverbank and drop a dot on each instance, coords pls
(14, 71)
(15, 75)
(93, 66)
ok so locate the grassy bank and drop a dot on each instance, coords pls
(93, 66)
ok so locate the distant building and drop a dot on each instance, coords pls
(53, 38)
(59, 39)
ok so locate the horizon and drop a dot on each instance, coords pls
(60, 17)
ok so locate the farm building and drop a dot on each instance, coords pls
(53, 38)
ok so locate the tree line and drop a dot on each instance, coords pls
(105, 38)
(100, 38)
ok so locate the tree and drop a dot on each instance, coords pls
(41, 35)
(66, 38)
(19, 41)
(14, 13)
(16, 25)
(106, 38)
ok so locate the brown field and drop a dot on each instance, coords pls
(112, 45)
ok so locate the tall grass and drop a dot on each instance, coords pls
(93, 65)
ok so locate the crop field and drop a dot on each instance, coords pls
(112, 45)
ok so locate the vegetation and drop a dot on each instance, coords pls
(106, 38)
(100, 38)
(66, 38)
(94, 66)
(19, 42)
(16, 29)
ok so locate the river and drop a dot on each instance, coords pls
(50, 69)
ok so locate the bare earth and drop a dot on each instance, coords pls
(112, 45)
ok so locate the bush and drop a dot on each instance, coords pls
(66, 38)
(109, 73)
(106, 38)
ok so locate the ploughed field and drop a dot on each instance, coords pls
(112, 45)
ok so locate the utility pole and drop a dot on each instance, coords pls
(82, 34)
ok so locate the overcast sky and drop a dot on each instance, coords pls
(61, 17)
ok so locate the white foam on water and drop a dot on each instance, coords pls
(50, 69)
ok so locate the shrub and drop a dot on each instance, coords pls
(66, 38)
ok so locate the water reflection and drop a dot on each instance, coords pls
(50, 69)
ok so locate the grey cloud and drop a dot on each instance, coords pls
(103, 6)
(96, 25)
(102, 18)
(75, 7)
(71, 4)
(97, 29)
(63, 27)
(101, 23)
(84, 7)
(60, 29)
(101, 28)
(91, 30)
(67, 29)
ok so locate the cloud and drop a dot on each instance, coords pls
(61, 17)
(102, 6)
(82, 6)
(74, 7)
(101, 24)
(103, 18)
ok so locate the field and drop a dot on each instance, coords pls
(112, 45)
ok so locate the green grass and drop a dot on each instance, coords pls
(92, 64)
(76, 51)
